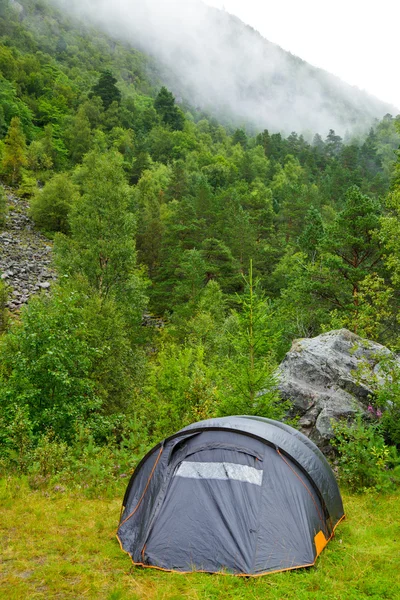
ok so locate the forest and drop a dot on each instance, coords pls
(189, 255)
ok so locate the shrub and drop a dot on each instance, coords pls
(363, 458)
(388, 398)
(51, 205)
(46, 363)
(16, 439)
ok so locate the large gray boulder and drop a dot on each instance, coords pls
(328, 377)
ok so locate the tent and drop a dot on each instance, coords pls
(241, 495)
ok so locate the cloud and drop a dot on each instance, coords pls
(217, 63)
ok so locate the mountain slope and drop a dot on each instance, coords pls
(214, 61)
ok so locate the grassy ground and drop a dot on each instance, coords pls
(54, 544)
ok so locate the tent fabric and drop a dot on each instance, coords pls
(242, 495)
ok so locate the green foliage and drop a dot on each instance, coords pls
(390, 232)
(70, 360)
(239, 137)
(219, 263)
(115, 166)
(16, 438)
(248, 372)
(10, 104)
(4, 318)
(375, 319)
(312, 234)
(46, 364)
(102, 245)
(106, 89)
(14, 153)
(83, 464)
(168, 111)
(179, 390)
(78, 135)
(3, 208)
(51, 205)
(191, 277)
(388, 401)
(364, 460)
(332, 282)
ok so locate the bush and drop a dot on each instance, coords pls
(16, 439)
(46, 363)
(70, 360)
(179, 390)
(363, 458)
(388, 398)
(51, 205)
(84, 464)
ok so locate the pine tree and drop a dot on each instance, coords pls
(390, 233)
(248, 371)
(350, 252)
(106, 89)
(333, 144)
(169, 112)
(313, 232)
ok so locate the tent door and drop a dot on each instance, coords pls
(208, 519)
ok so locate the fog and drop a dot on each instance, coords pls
(222, 66)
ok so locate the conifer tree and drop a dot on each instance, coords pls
(313, 232)
(220, 264)
(390, 223)
(106, 89)
(169, 112)
(350, 245)
(249, 385)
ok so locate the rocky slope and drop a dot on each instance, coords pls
(25, 255)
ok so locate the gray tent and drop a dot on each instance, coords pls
(242, 495)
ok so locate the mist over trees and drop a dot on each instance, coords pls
(212, 60)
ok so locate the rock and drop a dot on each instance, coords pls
(25, 255)
(333, 375)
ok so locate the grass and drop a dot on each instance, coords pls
(54, 544)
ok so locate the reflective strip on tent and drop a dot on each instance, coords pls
(219, 470)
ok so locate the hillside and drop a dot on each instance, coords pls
(236, 241)
(214, 61)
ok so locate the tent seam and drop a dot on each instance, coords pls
(144, 491)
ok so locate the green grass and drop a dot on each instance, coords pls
(60, 545)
